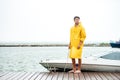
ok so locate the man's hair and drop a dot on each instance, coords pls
(76, 17)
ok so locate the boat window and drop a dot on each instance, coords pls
(112, 56)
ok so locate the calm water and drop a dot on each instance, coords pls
(28, 58)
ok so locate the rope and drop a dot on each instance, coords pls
(49, 68)
(67, 61)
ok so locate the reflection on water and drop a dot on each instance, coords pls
(28, 58)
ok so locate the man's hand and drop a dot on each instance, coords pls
(69, 46)
(79, 45)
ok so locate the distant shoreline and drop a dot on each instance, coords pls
(53, 45)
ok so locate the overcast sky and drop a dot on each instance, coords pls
(50, 20)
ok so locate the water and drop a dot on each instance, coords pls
(28, 58)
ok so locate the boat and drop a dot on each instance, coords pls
(92, 63)
(115, 44)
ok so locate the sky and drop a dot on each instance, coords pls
(51, 20)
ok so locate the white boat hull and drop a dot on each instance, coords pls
(88, 64)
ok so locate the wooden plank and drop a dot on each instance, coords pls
(76, 76)
(117, 75)
(19, 76)
(113, 76)
(40, 76)
(2, 76)
(91, 75)
(70, 76)
(107, 76)
(29, 76)
(45, 76)
(7, 76)
(13, 76)
(102, 76)
(55, 77)
(81, 76)
(51, 74)
(24, 76)
(87, 77)
(3, 73)
(34, 76)
(60, 76)
(65, 77)
(97, 76)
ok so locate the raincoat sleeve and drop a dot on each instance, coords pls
(83, 34)
(70, 36)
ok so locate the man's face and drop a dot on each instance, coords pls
(76, 20)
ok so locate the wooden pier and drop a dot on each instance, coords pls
(59, 76)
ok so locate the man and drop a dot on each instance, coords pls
(77, 37)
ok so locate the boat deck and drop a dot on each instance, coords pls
(59, 76)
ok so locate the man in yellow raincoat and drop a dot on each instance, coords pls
(77, 37)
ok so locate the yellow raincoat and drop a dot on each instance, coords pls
(77, 34)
